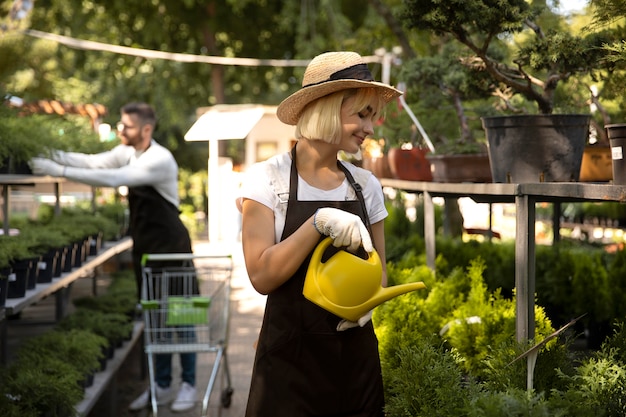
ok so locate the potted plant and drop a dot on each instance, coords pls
(21, 260)
(529, 82)
(41, 385)
(84, 347)
(439, 81)
(114, 327)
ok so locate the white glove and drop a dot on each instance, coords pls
(43, 166)
(345, 324)
(346, 229)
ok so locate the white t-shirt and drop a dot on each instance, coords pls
(124, 165)
(267, 182)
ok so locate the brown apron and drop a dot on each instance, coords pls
(303, 365)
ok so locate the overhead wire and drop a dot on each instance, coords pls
(173, 56)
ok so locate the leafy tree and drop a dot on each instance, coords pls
(543, 53)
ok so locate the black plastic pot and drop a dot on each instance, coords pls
(536, 148)
(47, 266)
(70, 256)
(58, 266)
(33, 273)
(18, 279)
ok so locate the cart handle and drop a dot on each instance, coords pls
(179, 257)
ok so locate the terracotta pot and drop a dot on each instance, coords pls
(409, 164)
(460, 168)
(596, 165)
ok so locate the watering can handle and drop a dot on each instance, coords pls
(323, 245)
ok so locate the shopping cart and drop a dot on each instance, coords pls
(185, 299)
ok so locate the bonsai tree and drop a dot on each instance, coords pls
(547, 55)
(442, 82)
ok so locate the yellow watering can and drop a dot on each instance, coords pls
(348, 285)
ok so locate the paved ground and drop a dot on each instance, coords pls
(245, 321)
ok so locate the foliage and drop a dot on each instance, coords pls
(542, 51)
(15, 248)
(25, 136)
(437, 385)
(120, 298)
(82, 346)
(459, 308)
(426, 374)
(565, 276)
(114, 327)
(42, 385)
(41, 380)
(117, 212)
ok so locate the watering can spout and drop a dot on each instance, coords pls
(348, 285)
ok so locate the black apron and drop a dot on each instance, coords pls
(303, 365)
(155, 227)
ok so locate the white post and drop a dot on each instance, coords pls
(213, 193)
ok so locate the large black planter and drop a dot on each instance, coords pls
(536, 148)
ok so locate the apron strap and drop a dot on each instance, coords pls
(293, 186)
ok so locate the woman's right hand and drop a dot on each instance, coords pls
(346, 229)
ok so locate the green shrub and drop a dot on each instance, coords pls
(42, 386)
(114, 327)
(84, 348)
(427, 382)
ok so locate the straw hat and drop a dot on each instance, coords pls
(326, 74)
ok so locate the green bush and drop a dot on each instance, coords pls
(41, 386)
(471, 368)
(83, 347)
(114, 327)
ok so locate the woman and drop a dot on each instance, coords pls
(310, 362)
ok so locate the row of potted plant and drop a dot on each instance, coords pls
(39, 250)
(41, 381)
(22, 139)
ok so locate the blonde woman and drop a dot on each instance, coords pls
(310, 362)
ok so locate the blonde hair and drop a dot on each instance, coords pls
(321, 119)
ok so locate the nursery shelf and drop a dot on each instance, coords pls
(41, 291)
(524, 196)
(59, 287)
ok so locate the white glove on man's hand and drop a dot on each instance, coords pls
(346, 229)
(43, 166)
(345, 324)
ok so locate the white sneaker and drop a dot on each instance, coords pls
(164, 396)
(186, 398)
